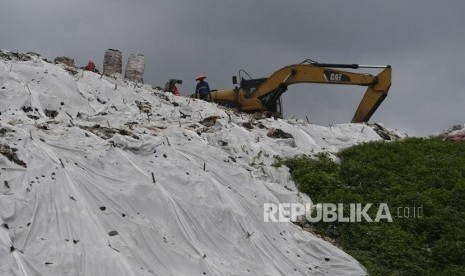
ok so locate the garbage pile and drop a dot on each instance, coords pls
(456, 133)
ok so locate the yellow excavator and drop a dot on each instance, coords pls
(264, 94)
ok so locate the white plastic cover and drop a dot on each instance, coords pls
(85, 202)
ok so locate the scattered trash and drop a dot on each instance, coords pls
(456, 133)
(278, 134)
(10, 153)
(184, 116)
(456, 137)
(64, 60)
(100, 100)
(43, 126)
(108, 132)
(260, 125)
(145, 107)
(210, 121)
(27, 109)
(4, 131)
(51, 113)
(248, 125)
(7, 55)
(385, 133)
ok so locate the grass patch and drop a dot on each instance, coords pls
(415, 172)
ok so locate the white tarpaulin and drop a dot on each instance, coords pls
(100, 177)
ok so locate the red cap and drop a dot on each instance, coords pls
(200, 77)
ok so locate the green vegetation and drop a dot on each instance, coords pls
(427, 173)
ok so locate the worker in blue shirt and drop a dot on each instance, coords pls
(202, 88)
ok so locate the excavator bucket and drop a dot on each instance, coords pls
(373, 97)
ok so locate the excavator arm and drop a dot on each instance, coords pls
(264, 94)
(374, 96)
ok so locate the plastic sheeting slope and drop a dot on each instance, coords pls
(86, 204)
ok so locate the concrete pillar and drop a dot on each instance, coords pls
(135, 68)
(112, 63)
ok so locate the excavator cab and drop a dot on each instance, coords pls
(249, 86)
(271, 102)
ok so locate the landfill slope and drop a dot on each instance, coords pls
(101, 176)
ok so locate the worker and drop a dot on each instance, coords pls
(170, 86)
(90, 66)
(175, 90)
(202, 88)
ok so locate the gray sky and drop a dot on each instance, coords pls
(423, 40)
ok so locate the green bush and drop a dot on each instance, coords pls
(427, 173)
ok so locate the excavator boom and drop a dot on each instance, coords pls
(264, 94)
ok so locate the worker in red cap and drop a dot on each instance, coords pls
(202, 89)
